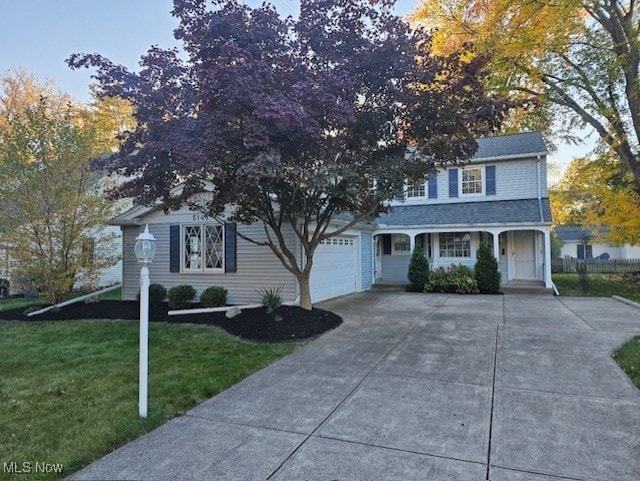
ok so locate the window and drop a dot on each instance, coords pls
(415, 191)
(400, 244)
(455, 244)
(472, 181)
(202, 248)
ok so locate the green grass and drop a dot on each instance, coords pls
(628, 356)
(15, 302)
(69, 389)
(114, 295)
(600, 285)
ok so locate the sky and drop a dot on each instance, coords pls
(38, 35)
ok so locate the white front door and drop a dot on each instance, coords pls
(524, 255)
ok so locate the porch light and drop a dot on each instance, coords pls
(144, 249)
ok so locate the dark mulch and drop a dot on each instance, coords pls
(254, 324)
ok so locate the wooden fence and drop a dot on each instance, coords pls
(596, 266)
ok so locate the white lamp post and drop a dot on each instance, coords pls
(145, 249)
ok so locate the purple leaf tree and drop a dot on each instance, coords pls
(294, 121)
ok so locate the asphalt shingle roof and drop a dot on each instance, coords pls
(511, 145)
(575, 234)
(523, 211)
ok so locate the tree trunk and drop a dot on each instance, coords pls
(305, 290)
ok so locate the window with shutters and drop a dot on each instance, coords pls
(471, 181)
(202, 248)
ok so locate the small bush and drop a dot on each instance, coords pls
(271, 297)
(486, 270)
(157, 294)
(214, 296)
(179, 296)
(456, 279)
(418, 273)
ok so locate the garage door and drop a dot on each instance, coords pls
(334, 268)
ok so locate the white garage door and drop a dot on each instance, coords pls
(334, 268)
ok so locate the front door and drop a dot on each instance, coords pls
(524, 255)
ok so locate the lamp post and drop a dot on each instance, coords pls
(145, 249)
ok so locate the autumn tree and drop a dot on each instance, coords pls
(294, 121)
(598, 194)
(52, 208)
(578, 59)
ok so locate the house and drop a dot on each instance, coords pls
(499, 197)
(582, 243)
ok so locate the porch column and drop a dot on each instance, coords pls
(547, 259)
(496, 245)
(412, 243)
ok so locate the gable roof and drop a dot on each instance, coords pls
(576, 234)
(525, 144)
(523, 211)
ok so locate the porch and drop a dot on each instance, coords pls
(523, 253)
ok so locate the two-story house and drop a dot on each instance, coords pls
(501, 195)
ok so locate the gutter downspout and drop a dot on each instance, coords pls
(539, 189)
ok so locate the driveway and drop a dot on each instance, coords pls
(424, 387)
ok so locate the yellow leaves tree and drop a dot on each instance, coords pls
(578, 60)
(599, 194)
(52, 208)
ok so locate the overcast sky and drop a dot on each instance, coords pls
(38, 35)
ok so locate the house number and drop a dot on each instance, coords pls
(200, 217)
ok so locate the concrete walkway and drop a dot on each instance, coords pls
(419, 387)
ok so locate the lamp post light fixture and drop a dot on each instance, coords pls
(145, 249)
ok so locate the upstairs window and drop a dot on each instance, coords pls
(415, 191)
(202, 248)
(472, 181)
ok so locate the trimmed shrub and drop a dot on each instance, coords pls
(271, 297)
(418, 273)
(486, 270)
(214, 296)
(179, 296)
(157, 294)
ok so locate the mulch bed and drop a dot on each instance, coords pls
(253, 324)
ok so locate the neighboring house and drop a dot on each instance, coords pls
(582, 243)
(500, 195)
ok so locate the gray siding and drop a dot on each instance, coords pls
(515, 179)
(366, 260)
(395, 268)
(257, 266)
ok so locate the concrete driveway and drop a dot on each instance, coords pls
(424, 387)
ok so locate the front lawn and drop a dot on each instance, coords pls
(69, 389)
(600, 285)
(628, 356)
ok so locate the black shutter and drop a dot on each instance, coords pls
(433, 185)
(386, 244)
(230, 237)
(174, 248)
(453, 182)
(580, 251)
(490, 172)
